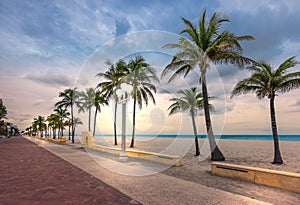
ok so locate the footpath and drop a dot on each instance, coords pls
(32, 175)
(39, 172)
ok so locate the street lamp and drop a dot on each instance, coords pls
(123, 96)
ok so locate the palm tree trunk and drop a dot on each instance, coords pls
(95, 119)
(62, 127)
(69, 132)
(115, 123)
(54, 133)
(89, 119)
(133, 121)
(73, 130)
(277, 155)
(195, 134)
(216, 154)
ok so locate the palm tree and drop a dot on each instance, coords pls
(62, 114)
(29, 130)
(3, 110)
(266, 81)
(113, 78)
(39, 123)
(69, 98)
(86, 99)
(98, 100)
(34, 127)
(76, 121)
(53, 121)
(190, 101)
(207, 43)
(68, 123)
(140, 77)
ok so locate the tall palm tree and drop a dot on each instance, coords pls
(140, 76)
(112, 81)
(266, 81)
(207, 44)
(34, 127)
(39, 122)
(98, 100)
(30, 130)
(76, 121)
(190, 101)
(53, 121)
(68, 123)
(69, 98)
(3, 110)
(86, 99)
(62, 113)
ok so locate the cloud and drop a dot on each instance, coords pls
(38, 102)
(53, 78)
(270, 24)
(18, 119)
(122, 26)
(229, 107)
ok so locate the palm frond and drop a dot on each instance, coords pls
(289, 63)
(191, 30)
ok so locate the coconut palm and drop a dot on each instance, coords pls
(68, 123)
(53, 121)
(207, 44)
(76, 121)
(29, 131)
(192, 102)
(266, 81)
(98, 100)
(86, 101)
(39, 124)
(69, 98)
(3, 110)
(112, 81)
(140, 76)
(62, 114)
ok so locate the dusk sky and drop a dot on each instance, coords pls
(48, 46)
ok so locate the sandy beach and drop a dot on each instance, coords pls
(255, 153)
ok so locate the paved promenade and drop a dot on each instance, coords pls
(32, 175)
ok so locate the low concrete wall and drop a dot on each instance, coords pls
(88, 141)
(279, 179)
(62, 140)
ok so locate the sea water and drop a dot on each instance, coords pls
(227, 137)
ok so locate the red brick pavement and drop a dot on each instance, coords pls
(31, 175)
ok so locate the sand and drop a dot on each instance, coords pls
(255, 153)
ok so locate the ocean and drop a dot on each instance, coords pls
(228, 137)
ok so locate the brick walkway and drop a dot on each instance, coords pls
(30, 174)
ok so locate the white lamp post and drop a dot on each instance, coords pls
(123, 95)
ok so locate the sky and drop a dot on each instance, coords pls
(48, 46)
